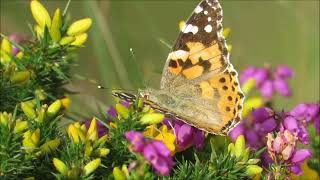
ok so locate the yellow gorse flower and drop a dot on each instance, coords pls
(79, 27)
(50, 145)
(91, 166)
(20, 77)
(251, 103)
(60, 166)
(56, 25)
(40, 14)
(20, 126)
(76, 33)
(54, 108)
(152, 118)
(92, 133)
(163, 134)
(120, 174)
(31, 140)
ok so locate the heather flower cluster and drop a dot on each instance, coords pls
(284, 133)
(269, 81)
(154, 151)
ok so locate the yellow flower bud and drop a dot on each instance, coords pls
(248, 86)
(73, 133)
(102, 152)
(40, 14)
(60, 166)
(39, 31)
(4, 57)
(4, 120)
(6, 46)
(80, 39)
(182, 25)
(125, 170)
(41, 115)
(56, 25)
(92, 133)
(20, 55)
(245, 155)
(50, 145)
(67, 40)
(101, 140)
(40, 94)
(152, 118)
(118, 174)
(226, 32)
(20, 77)
(239, 146)
(231, 148)
(91, 166)
(122, 110)
(83, 128)
(65, 102)
(151, 131)
(54, 108)
(229, 48)
(20, 126)
(31, 140)
(79, 27)
(88, 149)
(35, 137)
(28, 111)
(253, 170)
(250, 103)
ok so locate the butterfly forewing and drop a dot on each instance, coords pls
(200, 48)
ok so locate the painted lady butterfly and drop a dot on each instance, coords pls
(199, 85)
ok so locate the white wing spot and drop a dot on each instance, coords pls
(209, 19)
(195, 29)
(205, 12)
(198, 9)
(191, 28)
(208, 28)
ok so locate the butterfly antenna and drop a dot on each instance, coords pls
(99, 85)
(139, 70)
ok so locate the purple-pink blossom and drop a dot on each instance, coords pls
(298, 118)
(269, 81)
(283, 149)
(186, 135)
(255, 127)
(153, 151)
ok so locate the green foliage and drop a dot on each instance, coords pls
(117, 142)
(48, 64)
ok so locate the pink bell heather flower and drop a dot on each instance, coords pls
(269, 81)
(306, 112)
(186, 135)
(18, 39)
(260, 122)
(296, 120)
(159, 156)
(283, 150)
(136, 139)
(153, 151)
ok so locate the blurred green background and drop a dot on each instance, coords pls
(263, 32)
